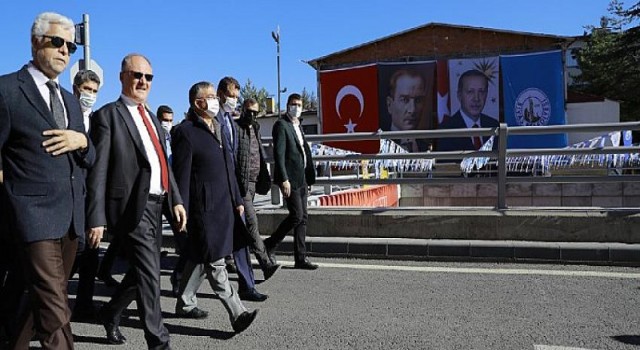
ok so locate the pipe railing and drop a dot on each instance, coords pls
(499, 154)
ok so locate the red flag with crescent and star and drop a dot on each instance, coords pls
(350, 104)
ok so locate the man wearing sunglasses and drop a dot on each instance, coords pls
(44, 151)
(126, 190)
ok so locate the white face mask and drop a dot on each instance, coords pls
(295, 111)
(166, 126)
(87, 100)
(213, 106)
(230, 104)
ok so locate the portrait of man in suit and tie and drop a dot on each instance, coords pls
(473, 87)
(405, 100)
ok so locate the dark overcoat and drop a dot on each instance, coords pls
(205, 176)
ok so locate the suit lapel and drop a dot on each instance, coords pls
(31, 92)
(127, 118)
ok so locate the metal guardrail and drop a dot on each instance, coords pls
(499, 155)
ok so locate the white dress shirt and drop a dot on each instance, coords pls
(155, 186)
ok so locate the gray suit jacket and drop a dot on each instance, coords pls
(45, 194)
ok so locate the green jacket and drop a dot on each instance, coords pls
(288, 156)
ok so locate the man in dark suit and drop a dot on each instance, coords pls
(127, 187)
(86, 84)
(228, 92)
(294, 173)
(44, 147)
(472, 92)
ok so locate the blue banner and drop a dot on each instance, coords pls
(533, 89)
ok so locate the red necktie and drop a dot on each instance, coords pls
(477, 140)
(164, 170)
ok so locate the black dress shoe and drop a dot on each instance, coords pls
(252, 295)
(195, 313)
(244, 321)
(270, 270)
(305, 265)
(231, 268)
(113, 332)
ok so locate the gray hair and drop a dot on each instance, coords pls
(126, 61)
(86, 75)
(44, 20)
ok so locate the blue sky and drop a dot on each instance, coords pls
(189, 41)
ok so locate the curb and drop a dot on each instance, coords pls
(462, 250)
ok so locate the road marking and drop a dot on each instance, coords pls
(551, 347)
(490, 271)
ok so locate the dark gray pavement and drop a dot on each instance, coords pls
(391, 304)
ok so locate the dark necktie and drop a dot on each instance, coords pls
(164, 170)
(56, 106)
(477, 140)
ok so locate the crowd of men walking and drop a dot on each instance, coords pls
(70, 174)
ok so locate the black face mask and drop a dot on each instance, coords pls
(249, 116)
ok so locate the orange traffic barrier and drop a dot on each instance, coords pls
(372, 196)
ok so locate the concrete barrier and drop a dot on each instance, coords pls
(472, 223)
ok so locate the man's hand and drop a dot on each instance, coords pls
(63, 141)
(181, 217)
(94, 236)
(240, 209)
(286, 189)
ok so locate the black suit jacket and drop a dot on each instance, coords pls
(118, 184)
(288, 156)
(45, 194)
(463, 143)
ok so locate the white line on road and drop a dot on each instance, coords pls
(551, 347)
(491, 271)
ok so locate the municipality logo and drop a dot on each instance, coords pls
(532, 108)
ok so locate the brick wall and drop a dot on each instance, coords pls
(606, 195)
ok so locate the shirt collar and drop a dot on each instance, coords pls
(38, 77)
(129, 102)
(468, 121)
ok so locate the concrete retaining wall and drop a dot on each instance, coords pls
(473, 223)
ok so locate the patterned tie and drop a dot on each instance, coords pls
(164, 170)
(477, 140)
(56, 106)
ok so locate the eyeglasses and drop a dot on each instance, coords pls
(57, 42)
(139, 75)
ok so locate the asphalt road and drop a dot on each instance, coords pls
(380, 304)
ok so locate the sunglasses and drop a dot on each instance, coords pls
(57, 42)
(139, 75)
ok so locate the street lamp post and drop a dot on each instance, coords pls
(276, 37)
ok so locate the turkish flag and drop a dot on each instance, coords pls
(349, 100)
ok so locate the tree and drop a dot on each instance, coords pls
(309, 100)
(250, 91)
(610, 60)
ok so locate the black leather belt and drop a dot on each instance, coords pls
(157, 198)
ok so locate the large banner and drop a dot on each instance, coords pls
(349, 100)
(533, 87)
(406, 100)
(473, 85)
